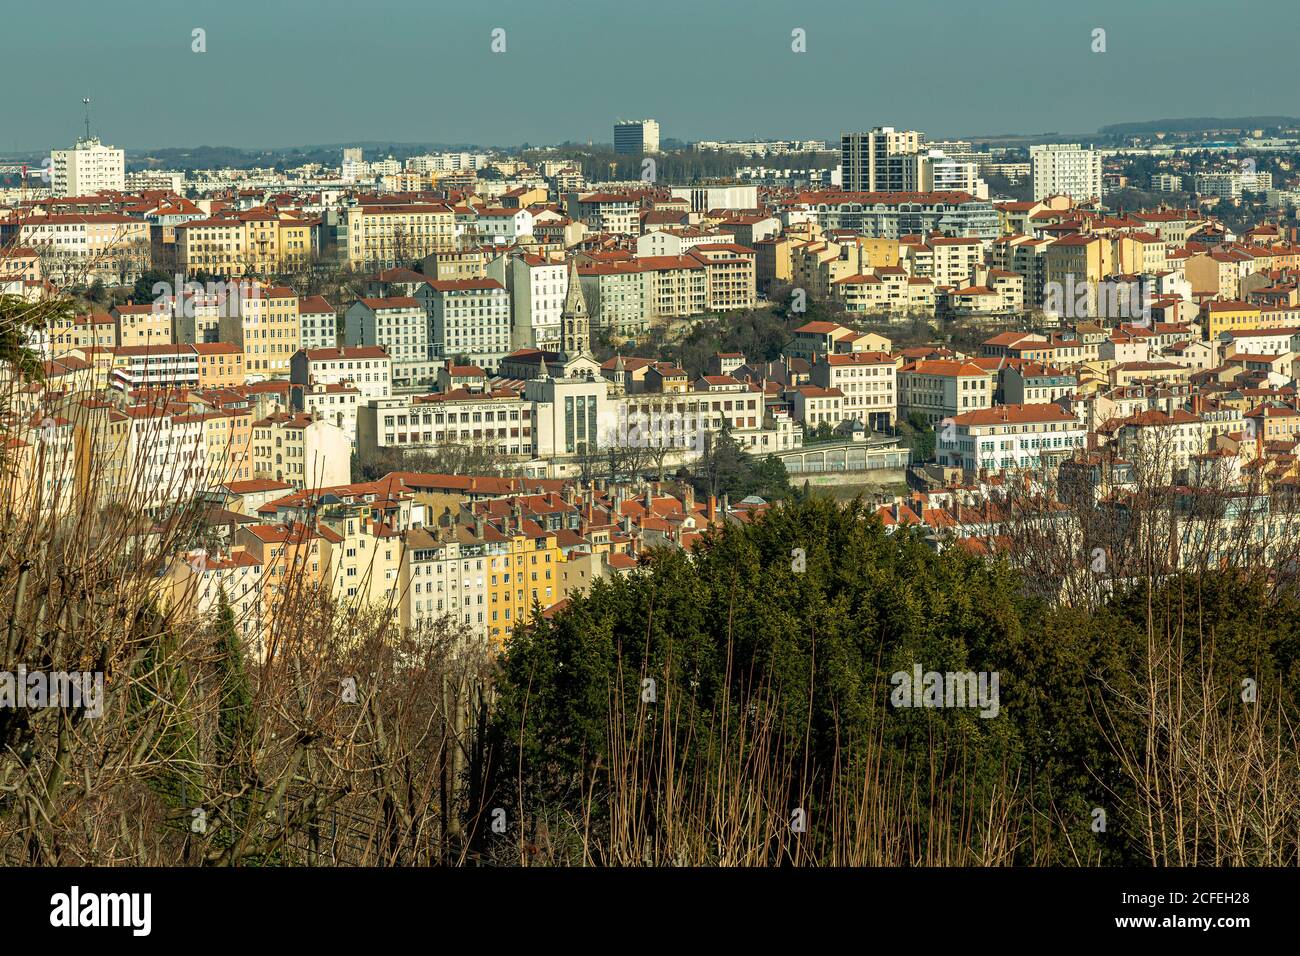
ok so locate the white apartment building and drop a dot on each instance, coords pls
(503, 227)
(336, 403)
(537, 289)
(318, 323)
(173, 182)
(868, 383)
(88, 168)
(76, 249)
(1064, 169)
(165, 455)
(704, 198)
(399, 325)
(369, 368)
(677, 241)
(469, 317)
(301, 449)
(1008, 437)
(154, 366)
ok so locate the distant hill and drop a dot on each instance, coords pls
(1198, 124)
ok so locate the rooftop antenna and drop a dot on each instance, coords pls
(86, 103)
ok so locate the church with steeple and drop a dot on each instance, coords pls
(575, 323)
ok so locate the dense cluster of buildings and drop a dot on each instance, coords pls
(1120, 343)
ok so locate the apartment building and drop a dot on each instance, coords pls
(867, 383)
(1033, 383)
(618, 296)
(227, 445)
(1161, 444)
(318, 323)
(953, 260)
(83, 249)
(194, 581)
(265, 324)
(537, 288)
(164, 455)
(369, 368)
(1064, 169)
(250, 242)
(337, 402)
(221, 364)
(888, 290)
(1009, 437)
(815, 406)
(442, 578)
(141, 325)
(96, 330)
(389, 235)
(499, 418)
(937, 389)
(729, 275)
(1075, 262)
(873, 161)
(501, 227)
(301, 449)
(678, 286)
(154, 366)
(399, 325)
(607, 212)
(467, 317)
(814, 338)
(893, 215)
(88, 168)
(636, 137)
(1226, 316)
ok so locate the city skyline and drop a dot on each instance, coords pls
(1055, 82)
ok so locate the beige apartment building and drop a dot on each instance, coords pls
(1073, 261)
(889, 290)
(141, 325)
(266, 328)
(302, 449)
(729, 270)
(97, 330)
(679, 286)
(385, 236)
(254, 242)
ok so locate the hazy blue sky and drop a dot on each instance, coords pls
(298, 72)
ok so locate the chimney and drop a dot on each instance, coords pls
(711, 508)
(478, 527)
(649, 499)
(726, 504)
